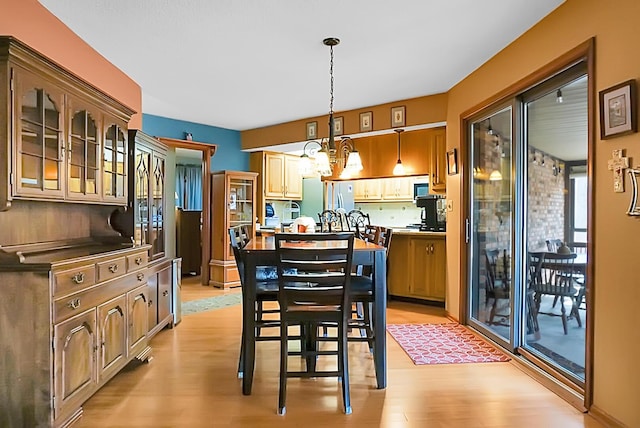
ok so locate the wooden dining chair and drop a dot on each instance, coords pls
(330, 221)
(266, 291)
(497, 285)
(356, 221)
(314, 288)
(555, 278)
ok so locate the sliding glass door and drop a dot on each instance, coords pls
(527, 223)
(491, 224)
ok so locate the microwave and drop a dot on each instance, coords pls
(420, 190)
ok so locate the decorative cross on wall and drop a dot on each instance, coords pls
(618, 164)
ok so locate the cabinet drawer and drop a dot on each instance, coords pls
(73, 280)
(112, 268)
(137, 261)
(73, 304)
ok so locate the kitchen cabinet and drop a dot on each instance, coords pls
(65, 141)
(417, 266)
(282, 177)
(367, 190)
(398, 189)
(279, 178)
(233, 195)
(438, 179)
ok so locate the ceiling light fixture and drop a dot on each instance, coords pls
(559, 98)
(398, 169)
(328, 154)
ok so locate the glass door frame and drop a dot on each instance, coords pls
(510, 95)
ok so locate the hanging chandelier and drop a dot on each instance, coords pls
(327, 153)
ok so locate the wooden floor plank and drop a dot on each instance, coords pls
(192, 382)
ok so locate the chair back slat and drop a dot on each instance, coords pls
(314, 268)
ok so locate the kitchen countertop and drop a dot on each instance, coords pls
(416, 232)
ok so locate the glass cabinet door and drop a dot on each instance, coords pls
(40, 147)
(115, 151)
(157, 207)
(141, 201)
(84, 155)
(240, 202)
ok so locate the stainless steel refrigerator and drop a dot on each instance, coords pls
(341, 195)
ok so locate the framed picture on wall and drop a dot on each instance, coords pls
(338, 128)
(312, 130)
(618, 110)
(366, 121)
(397, 116)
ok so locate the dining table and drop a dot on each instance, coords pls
(261, 252)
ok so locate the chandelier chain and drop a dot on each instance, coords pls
(331, 80)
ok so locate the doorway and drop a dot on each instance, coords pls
(528, 216)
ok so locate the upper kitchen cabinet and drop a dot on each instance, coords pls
(438, 180)
(69, 138)
(367, 190)
(279, 178)
(398, 189)
(282, 177)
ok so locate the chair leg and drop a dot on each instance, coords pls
(492, 314)
(284, 352)
(343, 367)
(555, 300)
(258, 317)
(241, 358)
(564, 316)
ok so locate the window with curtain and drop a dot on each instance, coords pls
(189, 187)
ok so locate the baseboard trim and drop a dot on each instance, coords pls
(604, 418)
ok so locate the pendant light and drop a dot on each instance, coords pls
(399, 168)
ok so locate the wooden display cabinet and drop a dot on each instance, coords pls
(438, 179)
(61, 139)
(233, 195)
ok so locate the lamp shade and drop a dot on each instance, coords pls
(322, 162)
(399, 168)
(495, 175)
(354, 163)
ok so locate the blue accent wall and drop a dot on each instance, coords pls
(228, 156)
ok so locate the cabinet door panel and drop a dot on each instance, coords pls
(274, 164)
(39, 154)
(74, 361)
(137, 301)
(164, 293)
(293, 178)
(112, 329)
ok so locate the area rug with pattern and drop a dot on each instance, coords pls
(211, 303)
(447, 343)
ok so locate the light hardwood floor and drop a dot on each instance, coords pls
(192, 382)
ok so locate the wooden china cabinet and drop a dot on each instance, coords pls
(233, 196)
(74, 284)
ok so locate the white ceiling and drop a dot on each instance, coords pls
(243, 64)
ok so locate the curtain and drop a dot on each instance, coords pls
(189, 187)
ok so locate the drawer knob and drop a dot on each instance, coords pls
(113, 268)
(140, 276)
(138, 260)
(78, 278)
(74, 304)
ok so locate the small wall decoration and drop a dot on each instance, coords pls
(452, 162)
(634, 207)
(338, 128)
(312, 130)
(366, 121)
(618, 110)
(618, 163)
(397, 116)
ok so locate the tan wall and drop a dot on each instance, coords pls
(617, 272)
(428, 109)
(31, 23)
